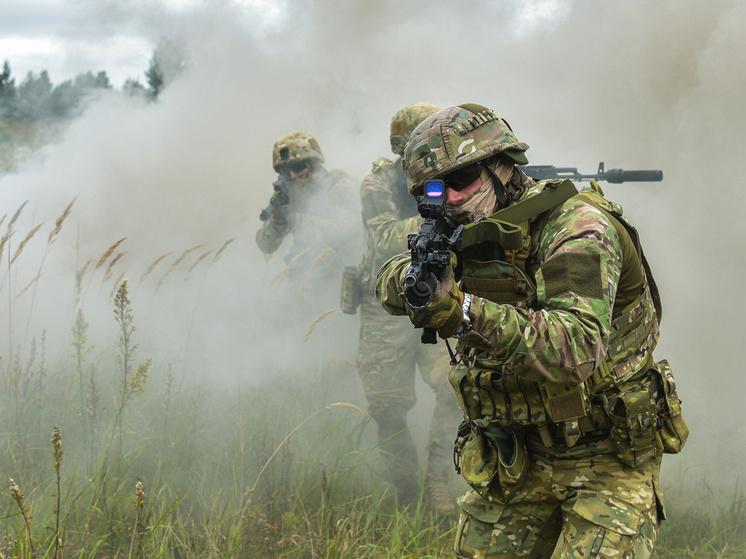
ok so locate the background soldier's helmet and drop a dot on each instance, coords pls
(406, 120)
(454, 138)
(295, 147)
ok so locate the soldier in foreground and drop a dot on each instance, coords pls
(313, 204)
(556, 314)
(389, 350)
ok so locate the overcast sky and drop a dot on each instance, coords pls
(70, 37)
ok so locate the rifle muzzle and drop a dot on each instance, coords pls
(620, 175)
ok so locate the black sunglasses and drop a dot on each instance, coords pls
(460, 179)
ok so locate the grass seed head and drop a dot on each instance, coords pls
(56, 441)
(347, 405)
(222, 248)
(315, 322)
(154, 263)
(24, 242)
(108, 252)
(282, 275)
(16, 216)
(60, 220)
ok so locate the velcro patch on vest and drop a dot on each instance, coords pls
(576, 272)
(567, 406)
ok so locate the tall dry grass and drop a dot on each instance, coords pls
(278, 468)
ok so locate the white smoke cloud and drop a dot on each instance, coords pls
(631, 83)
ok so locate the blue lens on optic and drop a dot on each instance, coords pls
(434, 189)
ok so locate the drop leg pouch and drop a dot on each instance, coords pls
(494, 461)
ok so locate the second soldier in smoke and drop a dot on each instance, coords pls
(390, 351)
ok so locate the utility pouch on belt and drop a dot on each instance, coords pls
(352, 289)
(672, 429)
(633, 417)
(494, 461)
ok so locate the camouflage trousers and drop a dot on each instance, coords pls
(583, 506)
(389, 353)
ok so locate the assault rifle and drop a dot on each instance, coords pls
(430, 250)
(276, 202)
(548, 172)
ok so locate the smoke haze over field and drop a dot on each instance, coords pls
(632, 83)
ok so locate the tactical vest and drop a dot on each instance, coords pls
(498, 256)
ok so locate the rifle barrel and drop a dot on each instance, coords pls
(620, 175)
(549, 172)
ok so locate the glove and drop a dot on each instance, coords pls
(281, 216)
(445, 312)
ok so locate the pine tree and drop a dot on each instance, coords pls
(169, 60)
(7, 92)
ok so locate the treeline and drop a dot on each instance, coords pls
(36, 97)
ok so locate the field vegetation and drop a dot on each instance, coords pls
(108, 452)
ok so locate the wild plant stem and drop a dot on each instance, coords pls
(287, 437)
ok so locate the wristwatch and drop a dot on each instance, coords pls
(465, 326)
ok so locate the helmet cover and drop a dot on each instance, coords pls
(295, 147)
(456, 137)
(405, 120)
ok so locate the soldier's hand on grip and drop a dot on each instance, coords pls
(444, 313)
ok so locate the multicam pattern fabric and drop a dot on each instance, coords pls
(318, 214)
(385, 223)
(577, 498)
(405, 120)
(295, 147)
(389, 353)
(567, 508)
(565, 340)
(390, 350)
(454, 138)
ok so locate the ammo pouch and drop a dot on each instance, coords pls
(493, 459)
(633, 418)
(646, 418)
(352, 289)
(672, 429)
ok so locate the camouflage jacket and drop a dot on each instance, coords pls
(389, 215)
(320, 215)
(562, 336)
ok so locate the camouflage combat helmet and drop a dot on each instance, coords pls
(295, 147)
(454, 138)
(406, 120)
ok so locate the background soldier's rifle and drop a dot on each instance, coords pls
(548, 172)
(282, 198)
(431, 251)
